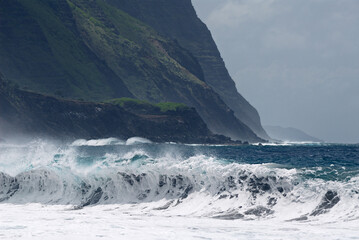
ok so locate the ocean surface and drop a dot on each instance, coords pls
(135, 189)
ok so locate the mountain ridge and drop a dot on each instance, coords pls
(90, 51)
(178, 20)
(290, 134)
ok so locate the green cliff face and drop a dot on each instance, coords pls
(23, 112)
(87, 49)
(42, 50)
(178, 20)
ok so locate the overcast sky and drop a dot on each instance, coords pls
(296, 61)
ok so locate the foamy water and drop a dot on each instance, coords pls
(135, 189)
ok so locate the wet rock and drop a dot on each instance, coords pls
(127, 178)
(258, 185)
(162, 181)
(223, 196)
(142, 196)
(229, 216)
(233, 196)
(164, 207)
(301, 218)
(280, 189)
(174, 182)
(85, 188)
(186, 192)
(259, 211)
(8, 186)
(272, 201)
(231, 182)
(330, 199)
(94, 198)
(243, 177)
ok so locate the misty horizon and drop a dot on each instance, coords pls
(296, 62)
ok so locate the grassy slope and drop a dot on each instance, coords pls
(145, 106)
(42, 43)
(134, 51)
(178, 20)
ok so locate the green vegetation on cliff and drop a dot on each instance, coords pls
(90, 50)
(135, 105)
(23, 112)
(41, 50)
(178, 20)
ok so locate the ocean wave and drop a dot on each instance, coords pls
(110, 141)
(171, 182)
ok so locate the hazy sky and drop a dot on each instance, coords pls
(296, 61)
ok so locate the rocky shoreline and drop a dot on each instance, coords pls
(45, 116)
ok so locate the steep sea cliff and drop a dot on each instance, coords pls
(178, 20)
(37, 115)
(93, 51)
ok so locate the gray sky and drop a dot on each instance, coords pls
(296, 61)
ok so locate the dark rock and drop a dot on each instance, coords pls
(162, 181)
(330, 199)
(229, 216)
(231, 182)
(233, 196)
(258, 185)
(166, 206)
(94, 198)
(142, 196)
(85, 188)
(259, 211)
(127, 178)
(223, 196)
(186, 192)
(272, 201)
(174, 182)
(8, 186)
(301, 218)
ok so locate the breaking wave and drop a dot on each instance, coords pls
(110, 141)
(173, 179)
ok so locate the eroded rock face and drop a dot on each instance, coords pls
(43, 115)
(178, 20)
(330, 199)
(118, 57)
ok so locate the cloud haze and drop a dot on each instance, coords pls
(297, 61)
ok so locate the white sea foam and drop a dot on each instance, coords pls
(137, 140)
(288, 143)
(37, 221)
(110, 141)
(98, 142)
(128, 189)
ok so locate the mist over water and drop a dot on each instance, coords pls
(289, 184)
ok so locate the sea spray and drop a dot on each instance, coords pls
(202, 181)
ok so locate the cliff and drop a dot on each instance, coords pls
(40, 115)
(290, 134)
(178, 20)
(91, 51)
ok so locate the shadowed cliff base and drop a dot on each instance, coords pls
(40, 115)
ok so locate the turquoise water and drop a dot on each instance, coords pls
(326, 161)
